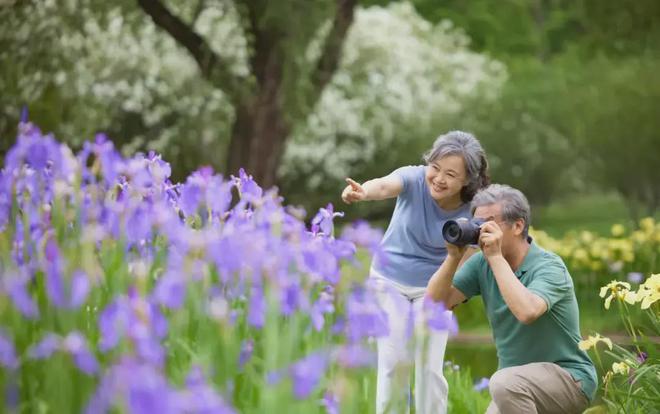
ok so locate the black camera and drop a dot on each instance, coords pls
(462, 232)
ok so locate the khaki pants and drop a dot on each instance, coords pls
(540, 387)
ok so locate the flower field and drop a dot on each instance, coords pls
(122, 291)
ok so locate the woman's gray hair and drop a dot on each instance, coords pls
(514, 203)
(467, 146)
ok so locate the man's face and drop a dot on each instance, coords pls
(493, 212)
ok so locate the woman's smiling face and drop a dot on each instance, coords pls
(446, 177)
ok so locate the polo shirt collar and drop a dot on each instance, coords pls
(530, 257)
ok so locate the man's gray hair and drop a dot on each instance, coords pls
(468, 147)
(514, 203)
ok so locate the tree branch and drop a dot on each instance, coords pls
(211, 65)
(332, 48)
(201, 4)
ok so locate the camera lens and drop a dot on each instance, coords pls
(461, 232)
(451, 231)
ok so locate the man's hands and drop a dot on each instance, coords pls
(353, 192)
(454, 251)
(490, 239)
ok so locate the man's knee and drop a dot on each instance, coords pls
(502, 383)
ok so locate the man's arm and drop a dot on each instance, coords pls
(525, 305)
(440, 286)
(377, 189)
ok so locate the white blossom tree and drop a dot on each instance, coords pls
(398, 76)
(94, 66)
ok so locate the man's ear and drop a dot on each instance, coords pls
(518, 227)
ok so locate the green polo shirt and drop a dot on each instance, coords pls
(554, 336)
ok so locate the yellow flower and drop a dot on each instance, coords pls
(647, 224)
(591, 341)
(628, 256)
(618, 230)
(586, 236)
(620, 368)
(649, 291)
(596, 266)
(619, 290)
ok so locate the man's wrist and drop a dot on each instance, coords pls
(454, 257)
(493, 258)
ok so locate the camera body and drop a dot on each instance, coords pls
(462, 231)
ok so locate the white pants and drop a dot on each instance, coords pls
(403, 305)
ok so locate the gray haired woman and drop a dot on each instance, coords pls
(413, 249)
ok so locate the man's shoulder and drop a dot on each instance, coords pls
(545, 257)
(550, 266)
(477, 258)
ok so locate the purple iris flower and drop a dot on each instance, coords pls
(218, 194)
(324, 304)
(54, 279)
(138, 225)
(249, 189)
(362, 234)
(438, 317)
(17, 290)
(355, 356)
(226, 253)
(342, 249)
(137, 319)
(642, 357)
(112, 163)
(41, 151)
(481, 385)
(134, 386)
(364, 317)
(323, 220)
(46, 347)
(635, 277)
(257, 308)
(160, 170)
(200, 397)
(306, 374)
(24, 115)
(274, 377)
(8, 357)
(330, 402)
(247, 348)
(170, 290)
(79, 288)
(191, 197)
(320, 263)
(291, 298)
(76, 345)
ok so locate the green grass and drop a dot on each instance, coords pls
(593, 212)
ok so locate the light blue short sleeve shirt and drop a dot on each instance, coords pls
(413, 247)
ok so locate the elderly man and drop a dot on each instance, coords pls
(531, 306)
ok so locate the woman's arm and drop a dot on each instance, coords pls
(377, 189)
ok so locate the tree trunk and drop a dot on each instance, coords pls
(257, 140)
(261, 125)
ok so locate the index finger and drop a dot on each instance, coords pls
(353, 184)
(490, 226)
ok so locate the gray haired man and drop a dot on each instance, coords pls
(531, 306)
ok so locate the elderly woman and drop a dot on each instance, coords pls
(413, 246)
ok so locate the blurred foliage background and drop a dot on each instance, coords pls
(564, 95)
